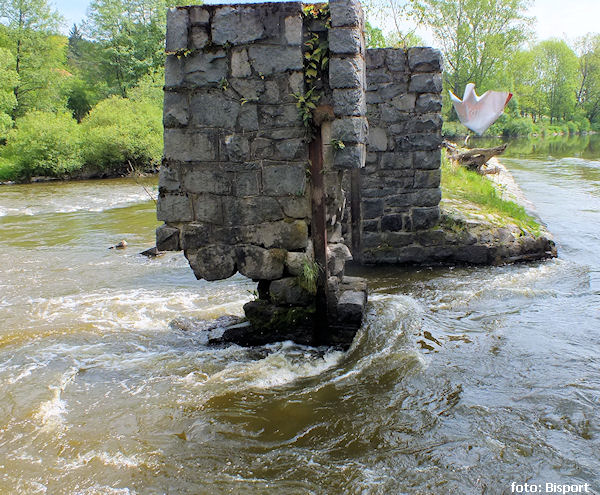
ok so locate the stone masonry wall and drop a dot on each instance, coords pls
(400, 184)
(233, 189)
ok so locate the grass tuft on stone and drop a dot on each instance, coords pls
(461, 184)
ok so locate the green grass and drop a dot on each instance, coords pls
(462, 184)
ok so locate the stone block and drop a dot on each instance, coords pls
(174, 208)
(287, 291)
(418, 142)
(349, 102)
(177, 30)
(249, 211)
(240, 64)
(206, 179)
(397, 161)
(476, 254)
(199, 37)
(296, 206)
(345, 13)
(293, 30)
(268, 59)
(246, 183)
(400, 201)
(347, 40)
(395, 59)
(205, 68)
(424, 59)
(185, 146)
(352, 156)
(235, 148)
(351, 306)
(237, 25)
(214, 109)
(208, 208)
(346, 72)
(428, 197)
(429, 160)
(260, 264)
(290, 149)
(425, 83)
(174, 71)
(400, 239)
(196, 235)
(168, 178)
(278, 116)
(248, 117)
(378, 139)
(425, 218)
(250, 90)
(282, 234)
(350, 130)
(431, 237)
(199, 15)
(427, 178)
(284, 179)
(167, 238)
(294, 262)
(337, 254)
(392, 223)
(372, 208)
(429, 102)
(404, 102)
(426, 123)
(216, 262)
(375, 59)
(176, 109)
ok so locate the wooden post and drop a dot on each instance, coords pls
(355, 214)
(319, 233)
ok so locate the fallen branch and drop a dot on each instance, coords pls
(474, 159)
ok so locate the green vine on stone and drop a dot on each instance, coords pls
(306, 103)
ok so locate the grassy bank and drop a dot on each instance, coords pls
(461, 184)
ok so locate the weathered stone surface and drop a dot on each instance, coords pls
(397, 161)
(352, 156)
(206, 179)
(173, 207)
(345, 13)
(428, 159)
(214, 262)
(214, 109)
(247, 183)
(167, 238)
(418, 142)
(208, 208)
(392, 223)
(346, 72)
(349, 102)
(288, 291)
(236, 25)
(282, 234)
(268, 59)
(205, 68)
(284, 179)
(199, 37)
(375, 59)
(175, 109)
(429, 102)
(260, 264)
(174, 71)
(372, 208)
(278, 116)
(195, 236)
(240, 64)
(425, 83)
(168, 178)
(424, 59)
(427, 178)
(296, 206)
(293, 30)
(199, 15)
(235, 148)
(347, 41)
(396, 60)
(338, 254)
(177, 29)
(294, 262)
(378, 140)
(290, 149)
(428, 197)
(424, 218)
(350, 130)
(248, 211)
(351, 306)
(248, 118)
(404, 103)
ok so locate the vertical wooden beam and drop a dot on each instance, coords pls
(356, 214)
(319, 232)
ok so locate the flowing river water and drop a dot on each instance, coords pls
(462, 380)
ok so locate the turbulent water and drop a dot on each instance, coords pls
(462, 380)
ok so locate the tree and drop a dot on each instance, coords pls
(131, 34)
(30, 25)
(8, 81)
(477, 37)
(588, 92)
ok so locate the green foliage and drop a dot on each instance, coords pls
(42, 143)
(121, 132)
(453, 129)
(460, 183)
(309, 276)
(337, 144)
(374, 37)
(306, 103)
(316, 59)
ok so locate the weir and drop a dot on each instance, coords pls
(290, 149)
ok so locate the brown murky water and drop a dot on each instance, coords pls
(461, 381)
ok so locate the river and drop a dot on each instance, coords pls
(462, 380)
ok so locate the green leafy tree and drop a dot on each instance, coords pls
(38, 57)
(8, 81)
(588, 92)
(477, 37)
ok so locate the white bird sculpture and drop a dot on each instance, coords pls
(478, 113)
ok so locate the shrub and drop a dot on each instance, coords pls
(572, 127)
(119, 132)
(518, 127)
(453, 129)
(43, 143)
